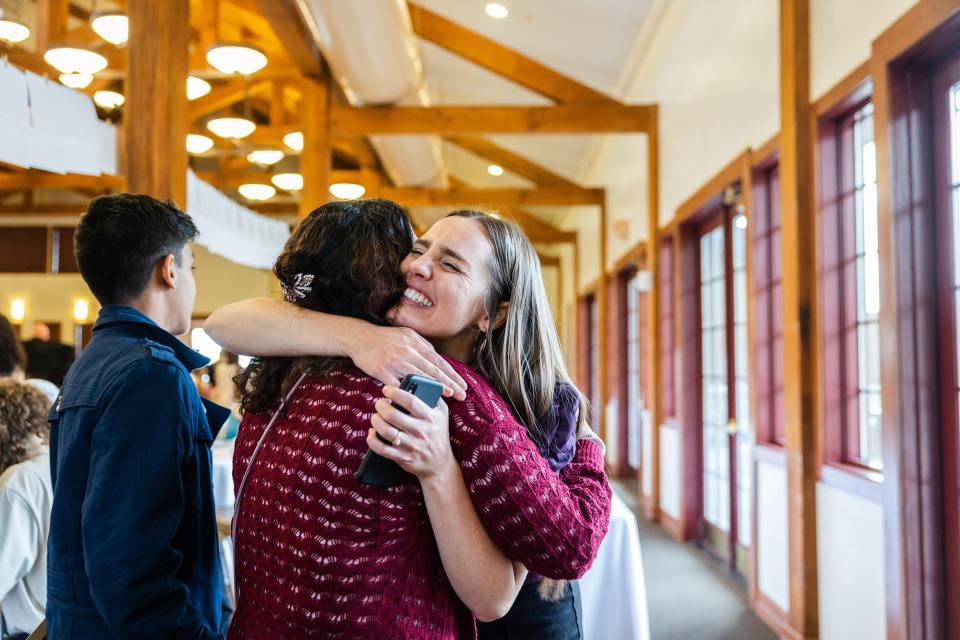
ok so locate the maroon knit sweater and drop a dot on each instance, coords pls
(319, 555)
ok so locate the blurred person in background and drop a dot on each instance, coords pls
(25, 499)
(12, 358)
(47, 359)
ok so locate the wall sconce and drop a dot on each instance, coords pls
(18, 310)
(621, 227)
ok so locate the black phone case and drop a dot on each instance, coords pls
(377, 471)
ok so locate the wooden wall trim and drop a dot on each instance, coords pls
(729, 174)
(799, 341)
(651, 505)
(765, 153)
(848, 87)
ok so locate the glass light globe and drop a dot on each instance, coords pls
(294, 141)
(288, 181)
(265, 157)
(75, 60)
(108, 99)
(197, 87)
(76, 80)
(236, 58)
(112, 26)
(231, 127)
(347, 190)
(13, 32)
(197, 144)
(254, 191)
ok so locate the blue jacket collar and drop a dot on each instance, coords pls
(114, 314)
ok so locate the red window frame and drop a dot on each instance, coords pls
(765, 265)
(667, 331)
(837, 258)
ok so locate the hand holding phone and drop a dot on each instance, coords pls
(376, 470)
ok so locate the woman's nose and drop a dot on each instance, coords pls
(420, 266)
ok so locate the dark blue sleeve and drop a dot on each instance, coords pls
(134, 503)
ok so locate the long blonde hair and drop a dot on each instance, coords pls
(521, 357)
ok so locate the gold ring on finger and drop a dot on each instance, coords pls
(397, 441)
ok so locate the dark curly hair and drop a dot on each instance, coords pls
(353, 250)
(23, 413)
(12, 355)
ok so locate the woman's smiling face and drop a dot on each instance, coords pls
(448, 280)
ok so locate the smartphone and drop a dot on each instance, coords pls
(377, 471)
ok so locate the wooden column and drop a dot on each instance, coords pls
(798, 253)
(315, 157)
(601, 301)
(51, 23)
(156, 111)
(651, 505)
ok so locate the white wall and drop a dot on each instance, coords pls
(773, 566)
(670, 466)
(841, 34)
(850, 565)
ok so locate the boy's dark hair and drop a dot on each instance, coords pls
(120, 239)
(352, 249)
(12, 354)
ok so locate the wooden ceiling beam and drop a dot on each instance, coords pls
(225, 95)
(581, 118)
(509, 160)
(547, 196)
(288, 25)
(31, 179)
(501, 60)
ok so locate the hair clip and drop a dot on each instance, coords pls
(302, 285)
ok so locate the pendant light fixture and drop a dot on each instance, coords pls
(12, 31)
(112, 26)
(235, 58)
(231, 127)
(257, 192)
(347, 190)
(288, 181)
(197, 87)
(265, 157)
(108, 100)
(75, 60)
(198, 144)
(76, 80)
(294, 140)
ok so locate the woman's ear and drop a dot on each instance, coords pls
(498, 321)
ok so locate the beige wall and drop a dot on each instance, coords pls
(51, 297)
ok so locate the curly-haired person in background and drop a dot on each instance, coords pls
(25, 499)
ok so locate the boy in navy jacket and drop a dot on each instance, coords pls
(133, 550)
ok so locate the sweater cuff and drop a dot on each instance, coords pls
(590, 453)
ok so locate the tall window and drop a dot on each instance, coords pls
(850, 289)
(864, 439)
(594, 316)
(955, 190)
(635, 391)
(768, 305)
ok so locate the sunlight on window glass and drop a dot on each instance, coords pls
(869, 163)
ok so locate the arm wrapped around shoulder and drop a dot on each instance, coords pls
(552, 524)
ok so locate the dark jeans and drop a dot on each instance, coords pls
(531, 618)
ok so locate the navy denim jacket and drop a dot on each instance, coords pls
(133, 550)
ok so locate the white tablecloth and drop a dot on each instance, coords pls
(613, 591)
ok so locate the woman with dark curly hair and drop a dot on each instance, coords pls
(13, 360)
(25, 499)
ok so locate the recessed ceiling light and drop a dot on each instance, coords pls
(112, 26)
(108, 99)
(495, 170)
(197, 144)
(347, 190)
(496, 10)
(294, 140)
(197, 87)
(236, 58)
(254, 191)
(288, 181)
(231, 127)
(265, 157)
